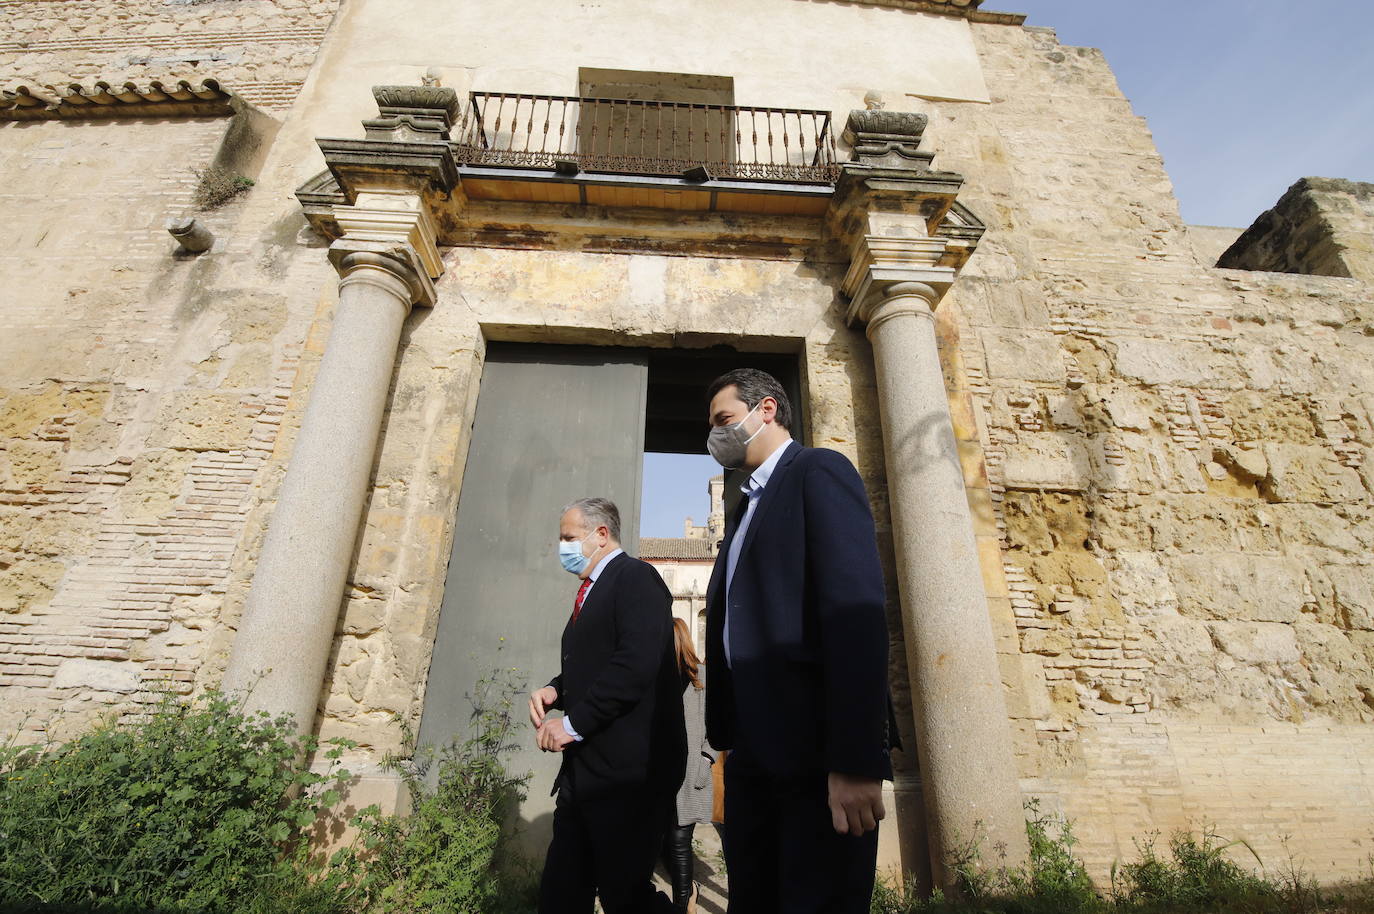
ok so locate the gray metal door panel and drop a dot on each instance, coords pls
(553, 424)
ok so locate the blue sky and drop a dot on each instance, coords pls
(1243, 98)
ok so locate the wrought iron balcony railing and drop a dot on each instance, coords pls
(570, 134)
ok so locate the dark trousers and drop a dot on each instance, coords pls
(782, 853)
(605, 844)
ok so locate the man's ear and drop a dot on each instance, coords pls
(768, 407)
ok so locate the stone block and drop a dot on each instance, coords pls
(155, 482)
(1139, 582)
(201, 421)
(99, 675)
(28, 584)
(1241, 587)
(1353, 594)
(1065, 410)
(1045, 641)
(1188, 638)
(1023, 356)
(30, 463)
(1153, 361)
(1328, 646)
(1255, 642)
(1044, 460)
(1309, 473)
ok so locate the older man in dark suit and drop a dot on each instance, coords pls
(797, 664)
(622, 734)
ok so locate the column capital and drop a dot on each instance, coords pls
(882, 268)
(900, 299)
(394, 266)
(394, 217)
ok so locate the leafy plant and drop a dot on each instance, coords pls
(451, 853)
(197, 806)
(1197, 876)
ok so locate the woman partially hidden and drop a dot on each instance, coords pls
(695, 796)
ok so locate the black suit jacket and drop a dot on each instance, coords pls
(807, 687)
(620, 685)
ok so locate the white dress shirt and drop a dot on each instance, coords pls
(753, 491)
(596, 572)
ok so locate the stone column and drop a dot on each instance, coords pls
(376, 203)
(907, 237)
(287, 628)
(968, 774)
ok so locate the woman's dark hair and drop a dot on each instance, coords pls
(752, 386)
(687, 660)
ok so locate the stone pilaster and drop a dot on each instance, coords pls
(387, 259)
(889, 212)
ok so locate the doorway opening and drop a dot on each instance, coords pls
(553, 424)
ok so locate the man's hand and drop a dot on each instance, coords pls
(552, 735)
(856, 804)
(540, 702)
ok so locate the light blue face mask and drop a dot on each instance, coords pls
(570, 555)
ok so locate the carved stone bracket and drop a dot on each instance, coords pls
(423, 114)
(889, 180)
(405, 147)
(887, 139)
(385, 187)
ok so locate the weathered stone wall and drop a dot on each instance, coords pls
(1323, 226)
(1179, 457)
(261, 49)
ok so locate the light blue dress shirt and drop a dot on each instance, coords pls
(753, 490)
(596, 572)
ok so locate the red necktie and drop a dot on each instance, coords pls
(581, 595)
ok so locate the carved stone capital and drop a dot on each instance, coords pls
(878, 263)
(887, 139)
(390, 265)
(393, 217)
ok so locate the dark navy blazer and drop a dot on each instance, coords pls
(806, 690)
(620, 685)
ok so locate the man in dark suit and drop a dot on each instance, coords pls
(796, 663)
(622, 735)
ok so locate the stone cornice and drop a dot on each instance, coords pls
(104, 101)
(965, 9)
(359, 164)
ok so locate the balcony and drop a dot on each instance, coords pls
(621, 152)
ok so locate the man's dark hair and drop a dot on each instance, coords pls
(753, 385)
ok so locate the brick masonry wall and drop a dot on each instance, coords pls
(1178, 458)
(134, 419)
(259, 49)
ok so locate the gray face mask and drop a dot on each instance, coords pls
(729, 443)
